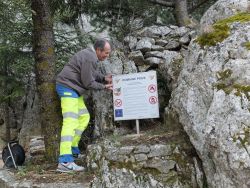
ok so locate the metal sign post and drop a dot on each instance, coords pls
(137, 126)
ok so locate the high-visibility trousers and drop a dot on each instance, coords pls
(75, 121)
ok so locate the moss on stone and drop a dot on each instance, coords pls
(240, 89)
(211, 39)
(221, 30)
(247, 45)
(222, 75)
(226, 88)
(243, 137)
(241, 17)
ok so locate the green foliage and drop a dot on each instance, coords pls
(221, 30)
(12, 88)
(15, 48)
(119, 16)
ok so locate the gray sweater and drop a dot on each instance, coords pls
(80, 73)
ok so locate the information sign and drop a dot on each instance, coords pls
(135, 96)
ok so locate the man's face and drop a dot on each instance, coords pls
(103, 54)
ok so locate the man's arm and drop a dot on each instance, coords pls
(98, 76)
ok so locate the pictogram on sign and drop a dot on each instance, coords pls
(152, 88)
(118, 102)
(117, 91)
(152, 100)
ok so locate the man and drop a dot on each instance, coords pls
(78, 75)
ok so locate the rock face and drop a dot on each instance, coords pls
(223, 9)
(23, 116)
(212, 101)
(142, 162)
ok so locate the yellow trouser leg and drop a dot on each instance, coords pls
(83, 121)
(70, 123)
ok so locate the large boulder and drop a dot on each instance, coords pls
(222, 9)
(212, 100)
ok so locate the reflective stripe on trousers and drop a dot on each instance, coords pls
(75, 121)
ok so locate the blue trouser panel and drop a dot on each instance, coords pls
(75, 121)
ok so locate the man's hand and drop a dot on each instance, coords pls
(108, 78)
(109, 86)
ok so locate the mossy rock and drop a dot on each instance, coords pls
(247, 45)
(221, 30)
(222, 75)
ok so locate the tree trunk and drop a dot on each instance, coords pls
(43, 49)
(181, 12)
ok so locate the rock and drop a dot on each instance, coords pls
(222, 9)
(37, 147)
(171, 45)
(163, 166)
(155, 31)
(143, 68)
(157, 48)
(185, 39)
(141, 157)
(170, 69)
(137, 57)
(161, 42)
(178, 32)
(8, 180)
(159, 150)
(154, 60)
(145, 44)
(131, 42)
(133, 165)
(142, 149)
(212, 104)
(154, 54)
(22, 124)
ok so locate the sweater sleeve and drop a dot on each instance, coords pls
(88, 77)
(99, 76)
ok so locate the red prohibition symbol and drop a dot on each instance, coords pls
(153, 100)
(118, 102)
(152, 88)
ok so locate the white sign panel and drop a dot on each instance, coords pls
(135, 96)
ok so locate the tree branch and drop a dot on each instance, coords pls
(164, 3)
(199, 4)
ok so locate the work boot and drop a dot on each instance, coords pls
(69, 167)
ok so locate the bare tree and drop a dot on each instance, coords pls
(181, 12)
(43, 49)
(182, 8)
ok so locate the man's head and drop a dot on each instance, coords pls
(102, 48)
